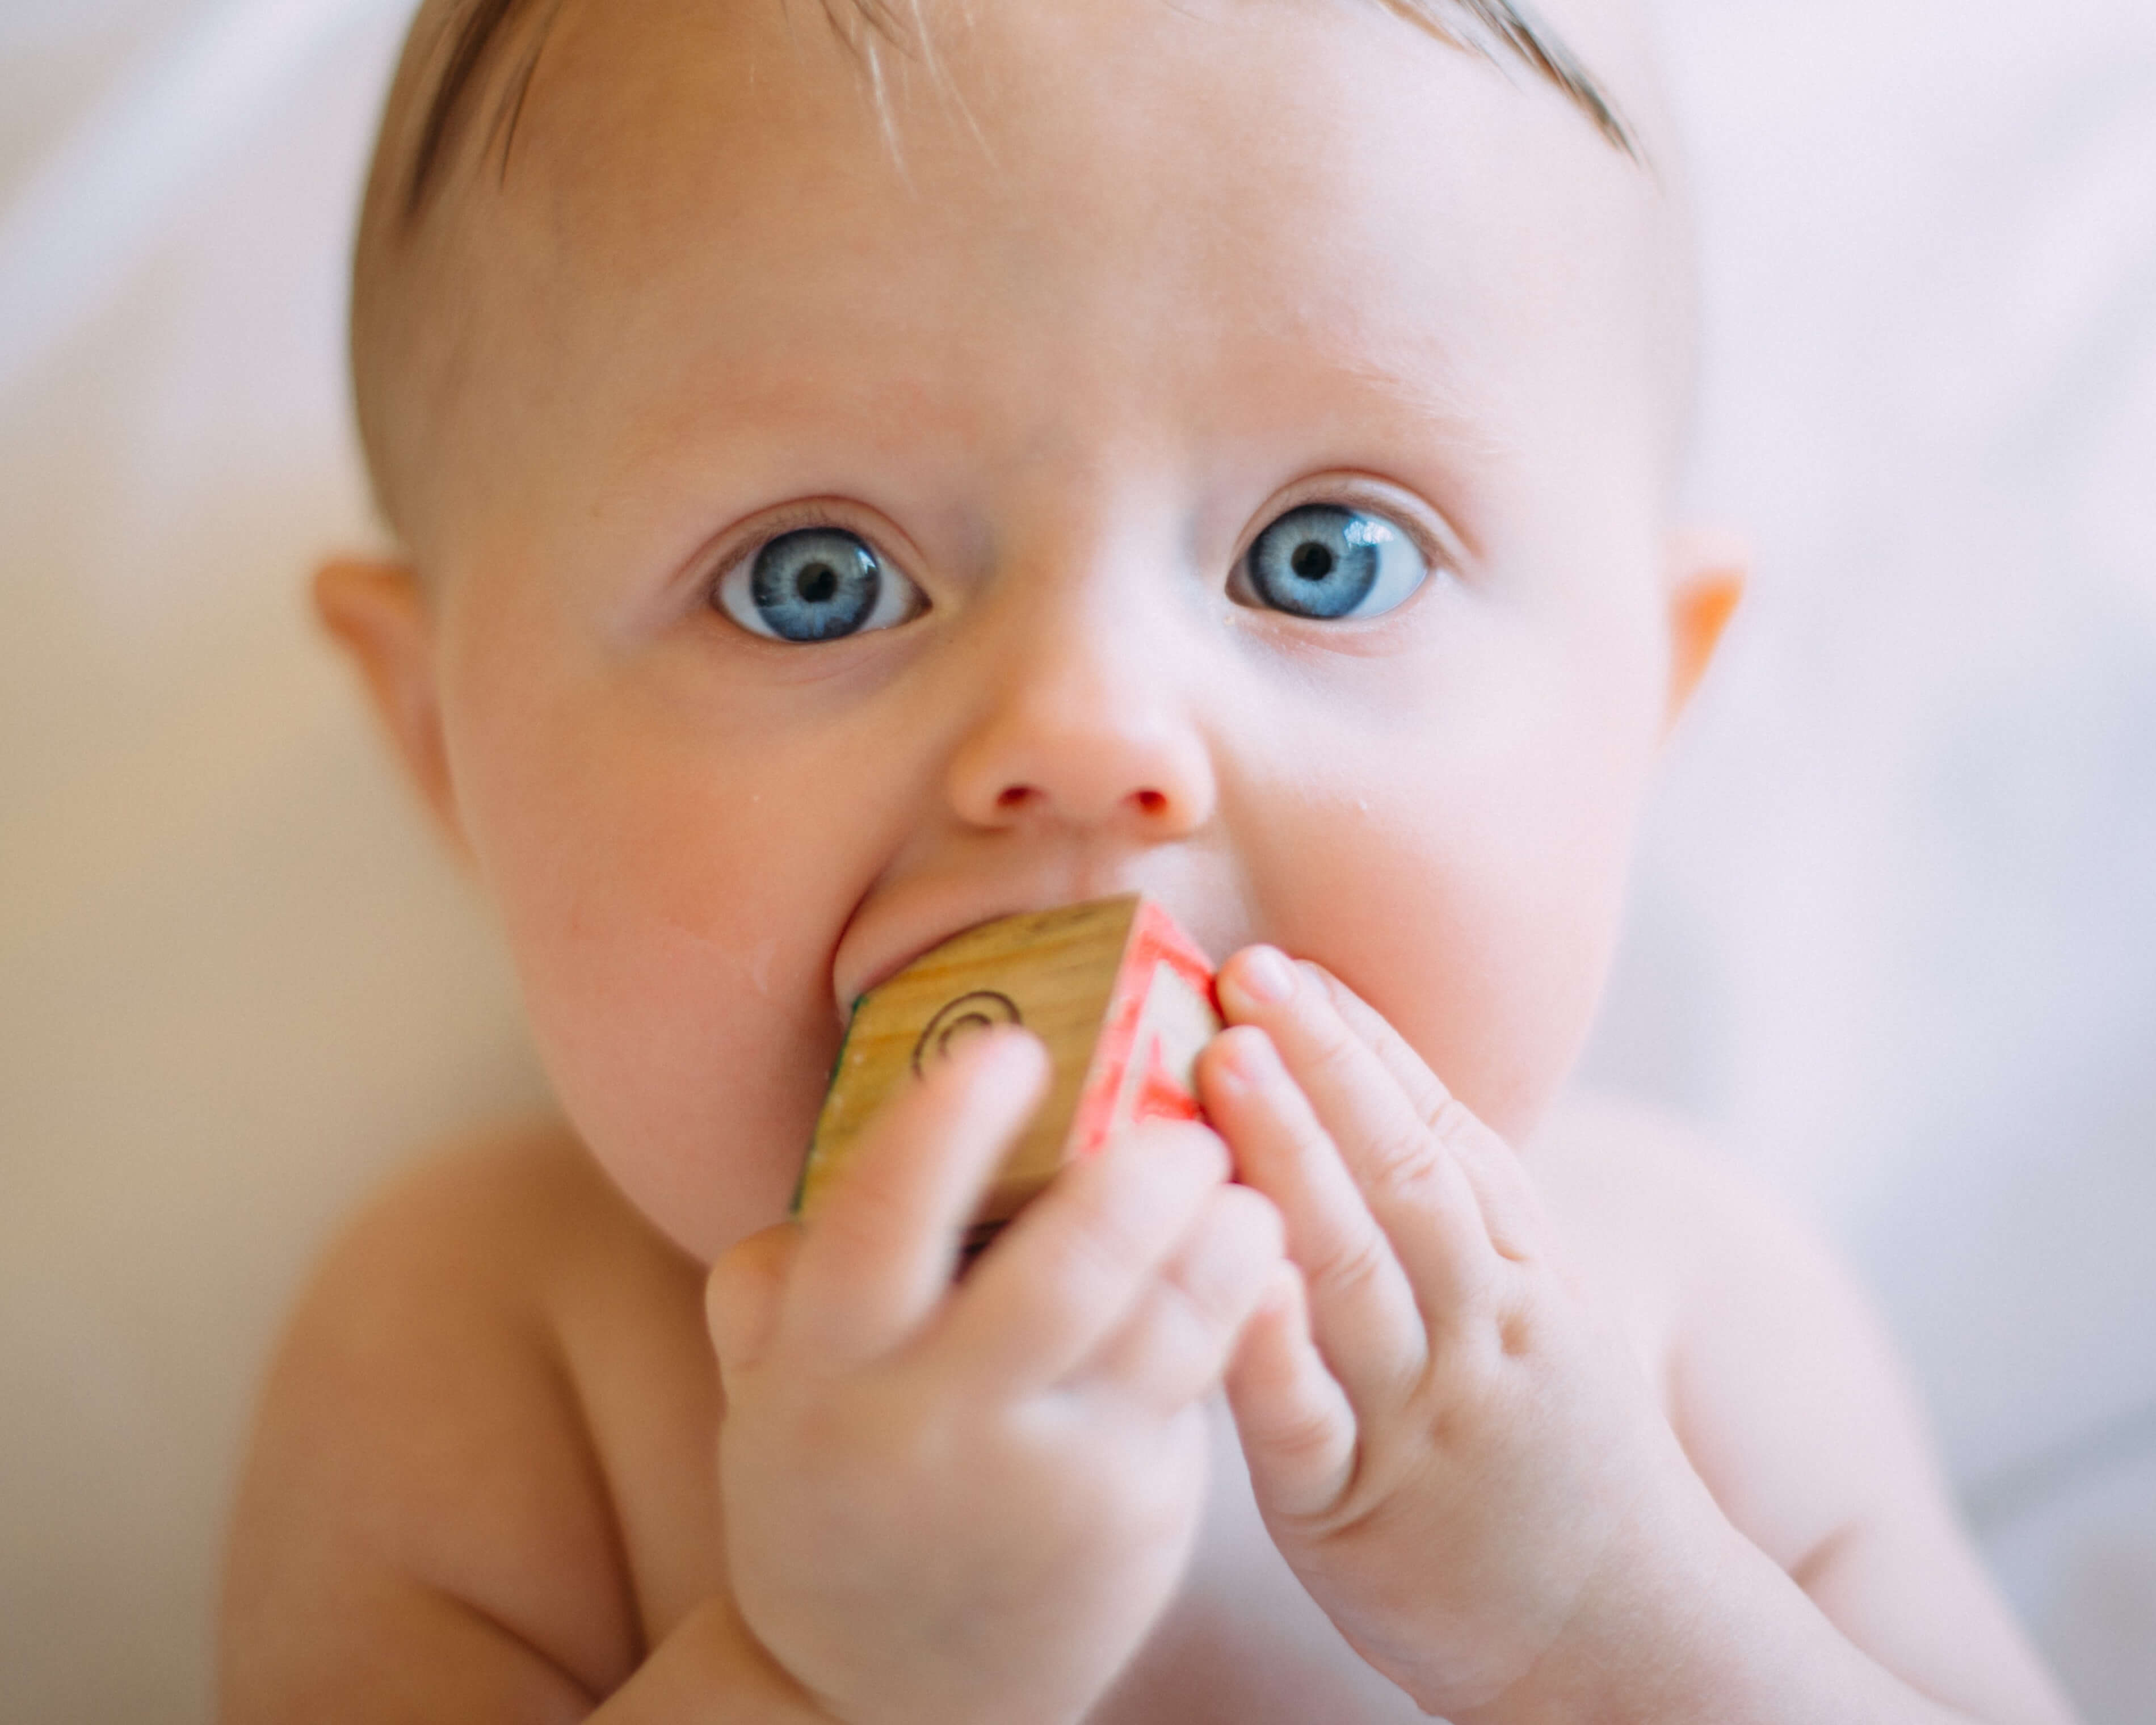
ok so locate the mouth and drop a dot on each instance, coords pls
(904, 923)
(904, 938)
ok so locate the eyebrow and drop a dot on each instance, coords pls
(1497, 28)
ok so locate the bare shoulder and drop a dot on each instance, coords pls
(1658, 1181)
(438, 1469)
(1767, 1339)
(1789, 1395)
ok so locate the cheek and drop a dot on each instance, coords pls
(673, 920)
(1467, 878)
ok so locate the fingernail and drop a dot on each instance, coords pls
(1265, 975)
(1000, 1056)
(1015, 1051)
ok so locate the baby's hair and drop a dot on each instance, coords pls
(1489, 28)
(481, 21)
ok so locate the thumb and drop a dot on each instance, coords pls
(742, 1294)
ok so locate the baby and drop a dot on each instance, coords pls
(868, 470)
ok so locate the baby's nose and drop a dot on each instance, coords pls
(1071, 739)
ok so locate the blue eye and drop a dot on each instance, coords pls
(819, 584)
(1325, 562)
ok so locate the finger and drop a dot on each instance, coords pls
(876, 1257)
(1176, 1340)
(1414, 1186)
(1067, 1273)
(1297, 1430)
(1511, 1208)
(1365, 1315)
(742, 1293)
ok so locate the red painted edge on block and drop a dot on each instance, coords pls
(1154, 939)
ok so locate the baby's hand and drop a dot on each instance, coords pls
(1467, 1467)
(966, 1504)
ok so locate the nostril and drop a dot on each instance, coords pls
(1013, 796)
(1152, 802)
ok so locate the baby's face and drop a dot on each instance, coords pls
(1218, 449)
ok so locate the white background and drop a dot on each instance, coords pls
(1896, 939)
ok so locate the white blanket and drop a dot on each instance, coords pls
(1896, 939)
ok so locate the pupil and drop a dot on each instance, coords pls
(817, 584)
(1312, 562)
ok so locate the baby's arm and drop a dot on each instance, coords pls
(424, 1529)
(1466, 1467)
(934, 1504)
(427, 1529)
(1793, 1407)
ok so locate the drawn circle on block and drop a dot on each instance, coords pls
(969, 1015)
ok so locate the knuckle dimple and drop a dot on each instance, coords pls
(1400, 1164)
(1329, 1051)
(1350, 1266)
(1452, 1121)
(1302, 1434)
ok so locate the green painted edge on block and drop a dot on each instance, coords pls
(839, 1059)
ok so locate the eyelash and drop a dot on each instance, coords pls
(1438, 552)
(803, 519)
(1441, 558)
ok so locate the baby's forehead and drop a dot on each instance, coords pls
(1246, 144)
(463, 49)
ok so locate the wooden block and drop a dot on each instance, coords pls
(1121, 996)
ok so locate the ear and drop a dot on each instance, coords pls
(378, 614)
(1708, 571)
